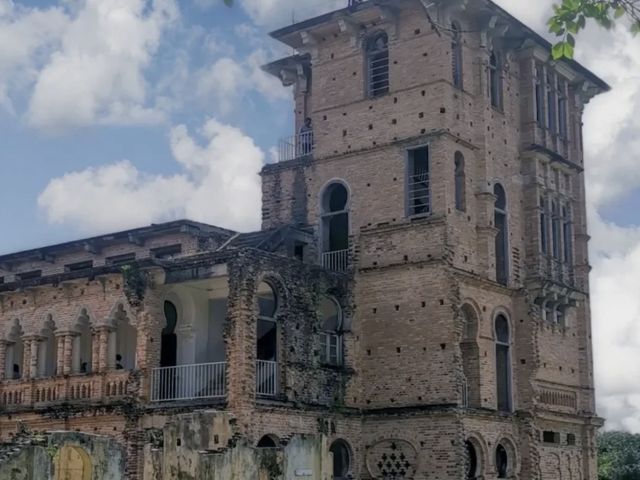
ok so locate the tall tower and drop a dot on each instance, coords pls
(442, 171)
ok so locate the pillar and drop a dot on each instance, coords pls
(67, 357)
(104, 347)
(59, 353)
(26, 357)
(3, 359)
(31, 368)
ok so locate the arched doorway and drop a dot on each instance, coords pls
(73, 463)
(341, 459)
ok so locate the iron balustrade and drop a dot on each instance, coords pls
(296, 146)
(337, 261)
(188, 382)
(266, 378)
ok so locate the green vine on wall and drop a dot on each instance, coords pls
(135, 284)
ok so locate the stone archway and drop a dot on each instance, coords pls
(73, 463)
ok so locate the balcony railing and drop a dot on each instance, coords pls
(188, 382)
(337, 261)
(295, 146)
(266, 378)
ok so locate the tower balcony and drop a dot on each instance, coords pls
(296, 146)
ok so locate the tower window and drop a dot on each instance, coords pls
(502, 238)
(418, 192)
(378, 65)
(555, 230)
(544, 247)
(460, 181)
(495, 81)
(456, 55)
(330, 316)
(502, 461)
(567, 235)
(539, 96)
(503, 363)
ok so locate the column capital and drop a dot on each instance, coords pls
(104, 328)
(66, 333)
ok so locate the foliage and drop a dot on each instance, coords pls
(135, 284)
(571, 16)
(618, 456)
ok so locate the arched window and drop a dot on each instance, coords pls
(543, 226)
(47, 350)
(460, 181)
(456, 55)
(567, 235)
(555, 229)
(14, 356)
(539, 95)
(502, 237)
(126, 336)
(378, 65)
(472, 461)
(495, 80)
(341, 459)
(169, 343)
(330, 316)
(503, 363)
(551, 102)
(502, 461)
(268, 441)
(335, 226)
(82, 345)
(267, 341)
(470, 357)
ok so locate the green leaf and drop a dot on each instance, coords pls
(557, 51)
(568, 50)
(582, 22)
(620, 11)
(635, 28)
(571, 40)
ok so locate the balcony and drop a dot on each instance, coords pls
(266, 378)
(296, 146)
(337, 261)
(188, 382)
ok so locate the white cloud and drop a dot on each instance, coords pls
(219, 184)
(279, 13)
(97, 76)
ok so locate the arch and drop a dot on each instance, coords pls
(334, 224)
(47, 349)
(456, 54)
(502, 335)
(14, 356)
(502, 236)
(331, 325)
(505, 458)
(73, 462)
(377, 52)
(268, 441)
(122, 348)
(460, 182)
(473, 454)
(169, 341)
(342, 459)
(82, 344)
(267, 339)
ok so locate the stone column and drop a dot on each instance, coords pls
(26, 357)
(31, 368)
(67, 358)
(3, 359)
(102, 339)
(59, 353)
(95, 351)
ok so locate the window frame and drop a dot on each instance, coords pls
(495, 82)
(460, 181)
(373, 93)
(506, 346)
(457, 56)
(409, 163)
(332, 339)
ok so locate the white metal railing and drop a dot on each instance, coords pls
(337, 261)
(295, 146)
(188, 382)
(266, 378)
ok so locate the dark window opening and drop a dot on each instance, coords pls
(495, 81)
(299, 251)
(460, 183)
(330, 316)
(571, 439)
(418, 191)
(456, 55)
(502, 238)
(543, 227)
(169, 343)
(378, 65)
(268, 441)
(335, 218)
(472, 459)
(555, 230)
(267, 328)
(550, 437)
(502, 461)
(551, 104)
(118, 260)
(539, 97)
(167, 252)
(567, 235)
(74, 267)
(32, 275)
(503, 363)
(341, 459)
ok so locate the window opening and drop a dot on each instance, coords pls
(330, 316)
(555, 229)
(502, 461)
(418, 192)
(472, 459)
(341, 459)
(501, 242)
(551, 103)
(544, 247)
(460, 183)
(567, 235)
(456, 55)
(378, 65)
(503, 363)
(169, 344)
(539, 96)
(495, 81)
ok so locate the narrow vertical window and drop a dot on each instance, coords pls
(341, 459)
(418, 192)
(330, 316)
(502, 239)
(539, 96)
(567, 235)
(334, 209)
(456, 55)
(378, 65)
(544, 247)
(562, 109)
(495, 81)
(555, 229)
(460, 181)
(267, 341)
(502, 461)
(472, 461)
(551, 103)
(503, 363)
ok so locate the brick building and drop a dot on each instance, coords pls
(416, 304)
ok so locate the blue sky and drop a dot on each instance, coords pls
(118, 113)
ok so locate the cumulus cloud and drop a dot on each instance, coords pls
(219, 184)
(97, 76)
